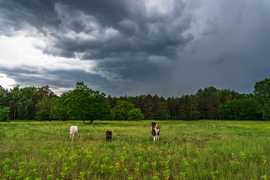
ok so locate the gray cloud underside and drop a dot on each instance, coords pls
(173, 50)
(60, 79)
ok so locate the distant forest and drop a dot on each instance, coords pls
(83, 103)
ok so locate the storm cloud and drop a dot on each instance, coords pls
(127, 47)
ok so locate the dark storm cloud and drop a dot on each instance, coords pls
(171, 47)
(101, 29)
(17, 14)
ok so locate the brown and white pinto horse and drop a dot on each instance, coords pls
(155, 131)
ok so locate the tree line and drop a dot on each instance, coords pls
(83, 103)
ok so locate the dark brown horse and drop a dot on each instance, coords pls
(109, 136)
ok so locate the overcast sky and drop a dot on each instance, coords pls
(134, 47)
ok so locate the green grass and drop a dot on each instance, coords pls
(187, 150)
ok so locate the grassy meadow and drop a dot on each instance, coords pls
(187, 150)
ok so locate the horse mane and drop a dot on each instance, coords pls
(153, 125)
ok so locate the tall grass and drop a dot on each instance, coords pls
(187, 150)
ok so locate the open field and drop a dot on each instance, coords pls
(187, 150)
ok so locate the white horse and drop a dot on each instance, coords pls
(73, 131)
(155, 131)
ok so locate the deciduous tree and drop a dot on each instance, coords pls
(262, 97)
(238, 109)
(84, 103)
(122, 109)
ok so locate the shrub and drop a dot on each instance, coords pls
(4, 114)
(135, 114)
